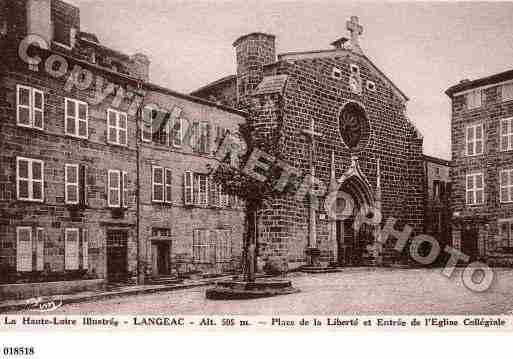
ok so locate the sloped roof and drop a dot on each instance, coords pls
(483, 81)
(271, 84)
(219, 82)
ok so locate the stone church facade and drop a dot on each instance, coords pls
(361, 137)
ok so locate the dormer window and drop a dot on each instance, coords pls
(371, 86)
(355, 69)
(336, 73)
(63, 33)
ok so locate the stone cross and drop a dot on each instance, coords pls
(355, 29)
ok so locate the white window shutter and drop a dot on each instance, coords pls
(188, 188)
(85, 249)
(71, 245)
(40, 248)
(24, 249)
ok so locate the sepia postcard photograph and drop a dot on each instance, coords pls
(253, 166)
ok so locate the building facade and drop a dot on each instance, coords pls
(89, 187)
(333, 114)
(438, 193)
(482, 141)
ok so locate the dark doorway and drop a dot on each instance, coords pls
(349, 253)
(117, 261)
(469, 244)
(163, 254)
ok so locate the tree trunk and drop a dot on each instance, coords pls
(250, 243)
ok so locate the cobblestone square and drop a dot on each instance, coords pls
(359, 291)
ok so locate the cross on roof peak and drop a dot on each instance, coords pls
(355, 29)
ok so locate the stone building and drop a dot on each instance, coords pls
(438, 190)
(482, 171)
(74, 147)
(337, 106)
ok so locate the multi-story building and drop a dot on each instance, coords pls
(437, 214)
(88, 189)
(482, 171)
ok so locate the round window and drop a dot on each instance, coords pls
(354, 126)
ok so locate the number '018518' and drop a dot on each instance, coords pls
(18, 351)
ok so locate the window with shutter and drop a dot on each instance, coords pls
(124, 190)
(188, 196)
(29, 107)
(71, 246)
(24, 249)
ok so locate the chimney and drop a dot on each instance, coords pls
(39, 19)
(140, 66)
(339, 43)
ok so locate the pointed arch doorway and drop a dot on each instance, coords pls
(354, 194)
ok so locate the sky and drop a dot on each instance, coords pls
(424, 48)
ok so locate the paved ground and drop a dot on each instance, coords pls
(354, 291)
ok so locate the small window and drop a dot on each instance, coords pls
(474, 99)
(336, 73)
(506, 140)
(76, 122)
(475, 189)
(24, 249)
(506, 186)
(507, 92)
(371, 86)
(29, 179)
(355, 69)
(474, 140)
(30, 107)
(117, 127)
